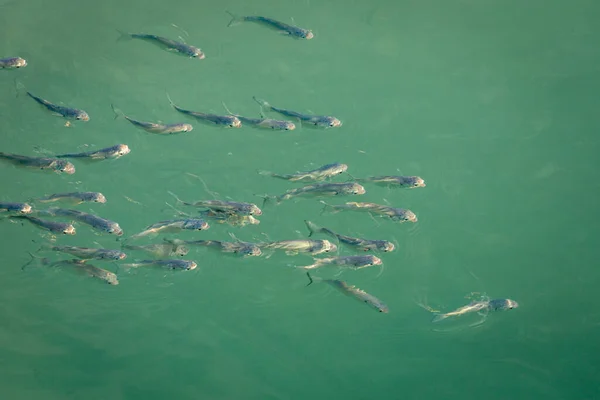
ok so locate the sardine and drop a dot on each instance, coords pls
(88, 253)
(229, 218)
(169, 264)
(74, 198)
(352, 262)
(321, 189)
(361, 244)
(353, 292)
(315, 175)
(290, 30)
(94, 221)
(316, 120)
(90, 270)
(57, 227)
(42, 163)
(293, 247)
(264, 123)
(115, 151)
(21, 208)
(12, 62)
(173, 226)
(220, 206)
(477, 306)
(160, 250)
(243, 249)
(151, 127)
(395, 214)
(169, 44)
(223, 120)
(395, 181)
(66, 112)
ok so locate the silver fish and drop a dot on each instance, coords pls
(361, 244)
(22, 208)
(321, 189)
(42, 163)
(353, 292)
(353, 262)
(293, 247)
(94, 221)
(57, 227)
(324, 121)
(169, 44)
(264, 123)
(12, 62)
(151, 127)
(477, 306)
(395, 181)
(315, 175)
(66, 112)
(175, 225)
(290, 30)
(88, 253)
(395, 214)
(229, 218)
(169, 264)
(160, 250)
(244, 249)
(220, 206)
(223, 120)
(115, 151)
(74, 198)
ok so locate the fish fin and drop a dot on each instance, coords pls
(233, 236)
(235, 20)
(326, 206)
(123, 36)
(309, 278)
(263, 104)
(33, 258)
(265, 173)
(19, 87)
(118, 113)
(352, 178)
(312, 227)
(179, 201)
(439, 317)
(171, 101)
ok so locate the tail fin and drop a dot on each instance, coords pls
(263, 104)
(265, 173)
(309, 278)
(123, 36)
(179, 201)
(268, 199)
(19, 87)
(439, 317)
(33, 258)
(171, 102)
(118, 113)
(326, 206)
(312, 227)
(234, 19)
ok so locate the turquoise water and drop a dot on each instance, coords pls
(492, 102)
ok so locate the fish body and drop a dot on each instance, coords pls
(315, 175)
(169, 264)
(56, 227)
(323, 189)
(174, 226)
(88, 253)
(42, 163)
(222, 120)
(66, 112)
(479, 306)
(90, 270)
(74, 198)
(170, 44)
(395, 214)
(244, 249)
(94, 221)
(395, 181)
(151, 127)
(361, 244)
(161, 250)
(292, 247)
(323, 121)
(224, 207)
(290, 30)
(229, 218)
(12, 62)
(354, 292)
(115, 151)
(264, 123)
(21, 208)
(352, 262)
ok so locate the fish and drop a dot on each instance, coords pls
(90, 270)
(315, 175)
(12, 62)
(160, 250)
(243, 249)
(321, 189)
(361, 244)
(352, 291)
(395, 214)
(323, 121)
(220, 206)
(352, 262)
(88, 253)
(263, 122)
(169, 264)
(229, 218)
(169, 44)
(22, 208)
(115, 151)
(151, 127)
(479, 306)
(66, 112)
(96, 222)
(223, 120)
(42, 163)
(56, 227)
(395, 181)
(293, 247)
(74, 198)
(283, 28)
(175, 225)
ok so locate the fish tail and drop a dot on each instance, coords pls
(234, 19)
(118, 113)
(352, 178)
(263, 104)
(312, 227)
(312, 279)
(33, 257)
(439, 317)
(19, 87)
(123, 36)
(179, 201)
(326, 206)
(265, 173)
(226, 109)
(171, 101)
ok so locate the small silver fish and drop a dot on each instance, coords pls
(22, 208)
(293, 247)
(56, 227)
(115, 151)
(169, 44)
(88, 253)
(151, 127)
(477, 306)
(229, 218)
(12, 62)
(41, 163)
(352, 262)
(353, 292)
(264, 123)
(160, 250)
(89, 270)
(243, 249)
(290, 30)
(395, 181)
(323, 121)
(94, 221)
(315, 175)
(361, 244)
(169, 264)
(66, 112)
(175, 225)
(74, 198)
(223, 120)
(321, 189)
(395, 214)
(220, 206)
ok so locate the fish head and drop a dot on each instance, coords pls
(382, 308)
(404, 215)
(251, 220)
(20, 62)
(254, 210)
(331, 122)
(191, 265)
(356, 188)
(235, 122)
(307, 34)
(112, 279)
(187, 127)
(81, 115)
(115, 229)
(181, 251)
(197, 53)
(417, 181)
(288, 125)
(65, 166)
(251, 251)
(376, 261)
(69, 230)
(510, 304)
(338, 169)
(115, 255)
(195, 224)
(329, 247)
(25, 209)
(386, 246)
(99, 198)
(122, 149)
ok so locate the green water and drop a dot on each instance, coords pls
(493, 103)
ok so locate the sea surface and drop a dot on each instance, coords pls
(494, 103)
